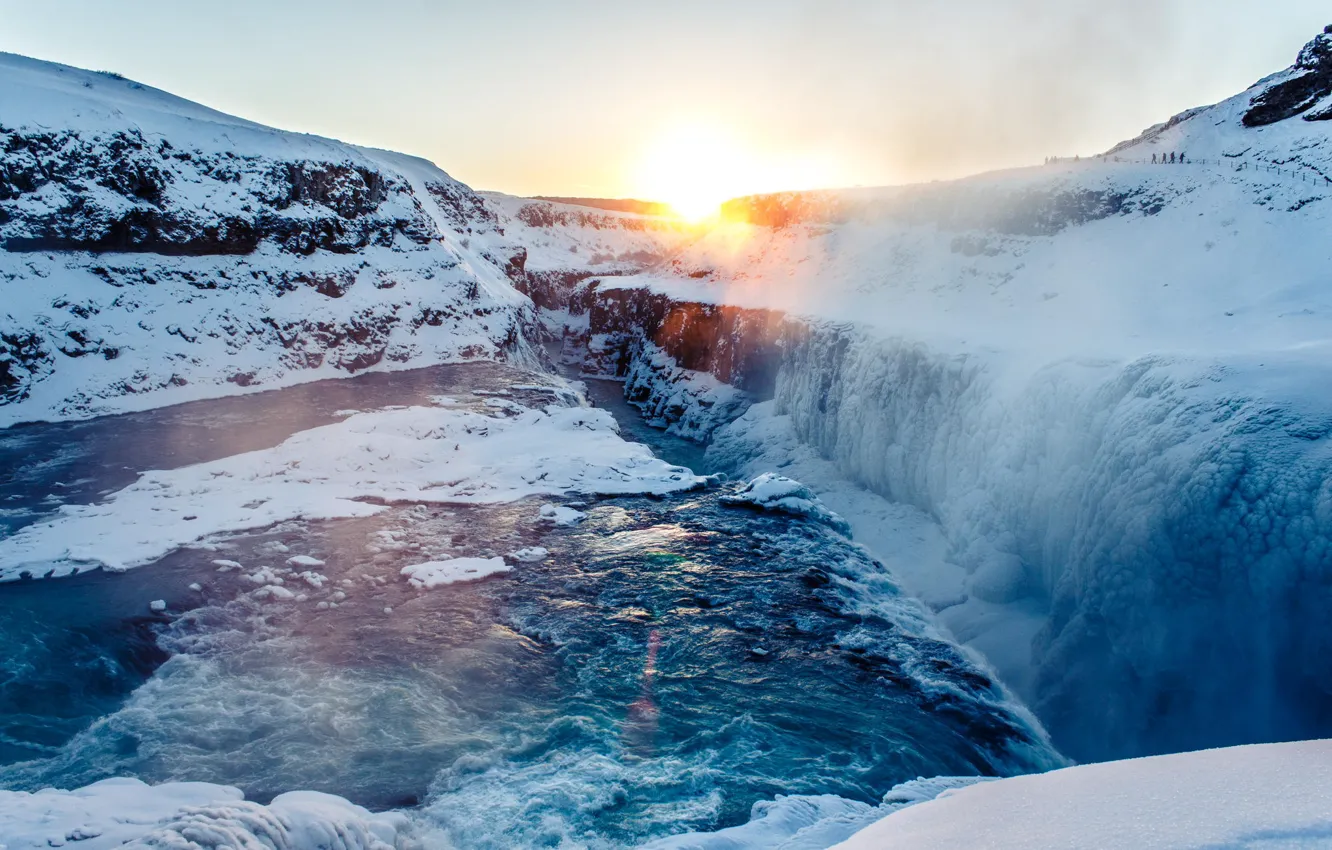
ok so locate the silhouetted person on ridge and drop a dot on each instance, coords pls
(1172, 159)
(1153, 159)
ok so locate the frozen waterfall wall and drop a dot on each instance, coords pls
(1177, 522)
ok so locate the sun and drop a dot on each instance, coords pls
(697, 167)
(694, 170)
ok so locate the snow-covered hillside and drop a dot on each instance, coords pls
(154, 250)
(1102, 379)
(565, 243)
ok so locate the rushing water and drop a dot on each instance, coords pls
(671, 662)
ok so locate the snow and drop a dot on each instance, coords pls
(350, 469)
(530, 554)
(1258, 796)
(562, 237)
(128, 813)
(434, 574)
(686, 402)
(95, 333)
(560, 515)
(811, 822)
(1264, 796)
(1088, 395)
(772, 492)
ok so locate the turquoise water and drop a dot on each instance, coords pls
(672, 662)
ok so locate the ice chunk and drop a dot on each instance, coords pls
(530, 554)
(560, 515)
(437, 573)
(772, 492)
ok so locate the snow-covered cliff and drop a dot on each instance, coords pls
(563, 244)
(1101, 378)
(153, 250)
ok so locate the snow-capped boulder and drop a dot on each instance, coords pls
(777, 493)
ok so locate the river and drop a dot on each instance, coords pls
(669, 662)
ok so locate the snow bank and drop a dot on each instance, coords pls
(349, 469)
(772, 492)
(1273, 795)
(1262, 796)
(186, 816)
(686, 402)
(811, 822)
(434, 574)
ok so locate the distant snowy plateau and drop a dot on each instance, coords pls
(1081, 411)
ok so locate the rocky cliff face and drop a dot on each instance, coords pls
(564, 244)
(152, 250)
(1304, 89)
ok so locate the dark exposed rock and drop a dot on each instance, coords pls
(23, 361)
(464, 208)
(91, 178)
(738, 346)
(1310, 83)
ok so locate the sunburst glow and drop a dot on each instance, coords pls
(693, 169)
(696, 168)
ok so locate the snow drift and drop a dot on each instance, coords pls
(128, 813)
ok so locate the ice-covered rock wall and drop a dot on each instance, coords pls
(690, 367)
(153, 250)
(1172, 515)
(1177, 516)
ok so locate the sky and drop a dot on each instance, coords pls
(632, 99)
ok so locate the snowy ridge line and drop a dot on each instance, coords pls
(1242, 165)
